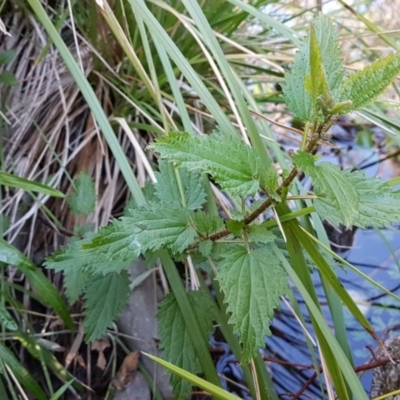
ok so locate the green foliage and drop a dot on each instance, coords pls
(6, 320)
(260, 234)
(7, 78)
(47, 293)
(207, 224)
(364, 86)
(316, 83)
(252, 280)
(83, 200)
(321, 77)
(108, 251)
(214, 390)
(176, 341)
(349, 198)
(158, 225)
(378, 203)
(167, 188)
(315, 89)
(333, 184)
(114, 243)
(233, 164)
(22, 375)
(11, 180)
(105, 298)
(248, 259)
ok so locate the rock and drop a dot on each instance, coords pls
(138, 320)
(386, 379)
(138, 390)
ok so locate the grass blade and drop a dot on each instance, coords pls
(46, 291)
(195, 380)
(22, 375)
(12, 180)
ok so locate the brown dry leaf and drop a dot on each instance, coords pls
(127, 373)
(100, 346)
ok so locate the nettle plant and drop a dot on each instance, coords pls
(249, 257)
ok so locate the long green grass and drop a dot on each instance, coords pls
(133, 71)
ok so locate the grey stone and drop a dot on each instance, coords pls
(138, 390)
(138, 320)
(386, 379)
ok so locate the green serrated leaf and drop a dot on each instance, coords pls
(207, 224)
(252, 283)
(75, 280)
(167, 188)
(83, 200)
(364, 86)
(235, 227)
(175, 339)
(297, 97)
(105, 298)
(149, 193)
(205, 247)
(379, 204)
(333, 183)
(333, 187)
(260, 234)
(332, 62)
(113, 249)
(304, 160)
(115, 242)
(232, 163)
(160, 225)
(316, 83)
(271, 183)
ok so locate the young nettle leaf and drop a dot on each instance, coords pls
(83, 200)
(325, 55)
(232, 164)
(105, 298)
(175, 339)
(270, 184)
(364, 86)
(316, 83)
(158, 225)
(235, 227)
(332, 186)
(328, 41)
(252, 281)
(207, 224)
(167, 187)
